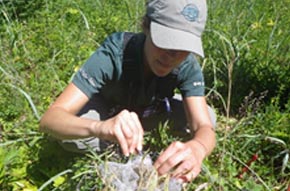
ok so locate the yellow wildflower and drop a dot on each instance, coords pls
(76, 68)
(256, 25)
(72, 11)
(270, 23)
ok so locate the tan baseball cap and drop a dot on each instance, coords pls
(178, 24)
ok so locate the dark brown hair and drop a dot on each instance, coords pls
(145, 24)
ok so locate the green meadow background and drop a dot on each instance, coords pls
(247, 72)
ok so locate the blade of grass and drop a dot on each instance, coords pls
(6, 143)
(53, 178)
(28, 98)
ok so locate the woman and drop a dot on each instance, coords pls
(111, 97)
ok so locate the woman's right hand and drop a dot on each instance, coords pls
(125, 128)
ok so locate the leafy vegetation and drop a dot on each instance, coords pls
(247, 67)
(247, 47)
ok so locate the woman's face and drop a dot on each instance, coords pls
(162, 61)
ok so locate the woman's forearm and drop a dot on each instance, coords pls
(206, 137)
(64, 125)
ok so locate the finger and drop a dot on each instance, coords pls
(176, 160)
(122, 140)
(184, 167)
(126, 124)
(192, 174)
(188, 177)
(132, 129)
(131, 132)
(140, 132)
(166, 155)
(135, 131)
(195, 172)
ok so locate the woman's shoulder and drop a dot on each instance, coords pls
(190, 62)
(114, 39)
(117, 41)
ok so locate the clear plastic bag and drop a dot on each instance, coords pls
(138, 174)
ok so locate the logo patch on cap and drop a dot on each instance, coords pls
(190, 12)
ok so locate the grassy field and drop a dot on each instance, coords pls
(247, 69)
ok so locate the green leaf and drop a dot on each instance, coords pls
(59, 181)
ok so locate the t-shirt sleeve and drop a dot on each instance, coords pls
(191, 80)
(101, 67)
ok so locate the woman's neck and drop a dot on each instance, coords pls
(148, 74)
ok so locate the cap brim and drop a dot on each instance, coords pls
(169, 38)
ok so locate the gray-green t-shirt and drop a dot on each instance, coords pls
(103, 74)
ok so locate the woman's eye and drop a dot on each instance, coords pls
(171, 53)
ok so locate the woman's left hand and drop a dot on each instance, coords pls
(182, 160)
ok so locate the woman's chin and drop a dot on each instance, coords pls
(161, 73)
